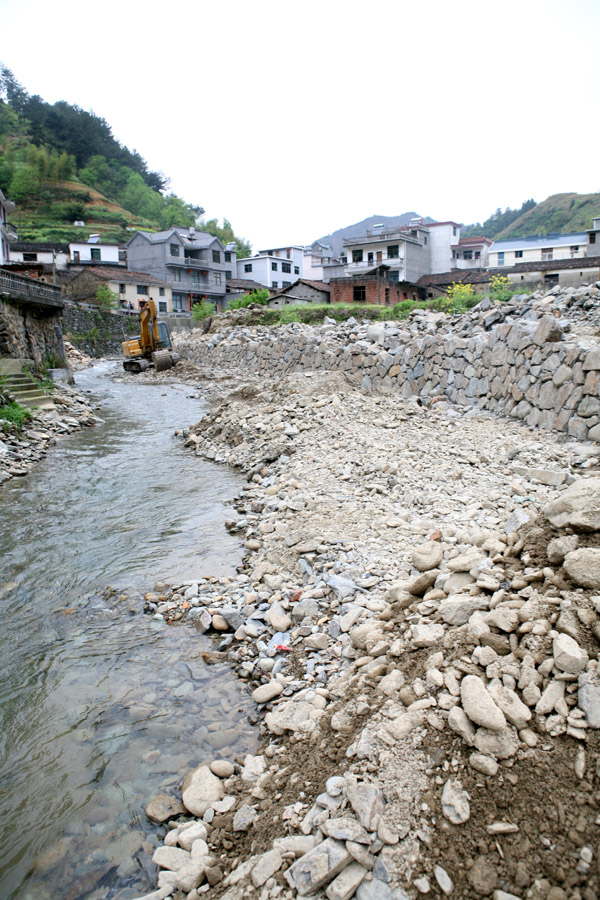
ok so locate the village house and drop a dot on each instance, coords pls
(374, 287)
(46, 253)
(316, 256)
(194, 263)
(471, 253)
(275, 269)
(93, 252)
(133, 289)
(301, 293)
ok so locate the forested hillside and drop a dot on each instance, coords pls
(558, 213)
(61, 164)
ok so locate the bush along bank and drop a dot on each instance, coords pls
(417, 618)
(536, 359)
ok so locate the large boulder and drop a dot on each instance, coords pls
(577, 507)
(200, 790)
(583, 567)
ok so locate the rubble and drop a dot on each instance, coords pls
(425, 669)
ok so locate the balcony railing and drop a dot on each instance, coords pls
(20, 287)
(191, 262)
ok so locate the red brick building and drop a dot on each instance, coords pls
(374, 287)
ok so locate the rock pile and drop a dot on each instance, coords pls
(416, 618)
(529, 359)
(19, 451)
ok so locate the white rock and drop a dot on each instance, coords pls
(513, 708)
(267, 692)
(443, 879)
(455, 803)
(200, 790)
(568, 655)
(479, 705)
(266, 866)
(426, 635)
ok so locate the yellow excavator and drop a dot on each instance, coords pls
(153, 348)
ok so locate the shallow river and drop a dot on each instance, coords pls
(101, 709)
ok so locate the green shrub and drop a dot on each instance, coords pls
(260, 296)
(15, 414)
(203, 310)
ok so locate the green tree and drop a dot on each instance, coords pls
(106, 298)
(24, 183)
(226, 234)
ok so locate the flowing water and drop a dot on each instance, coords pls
(101, 709)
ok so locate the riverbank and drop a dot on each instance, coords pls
(425, 667)
(21, 449)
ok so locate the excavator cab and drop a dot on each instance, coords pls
(152, 349)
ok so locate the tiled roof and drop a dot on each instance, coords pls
(244, 284)
(40, 247)
(539, 240)
(474, 240)
(479, 276)
(124, 276)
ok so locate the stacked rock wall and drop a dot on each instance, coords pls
(523, 361)
(29, 333)
(97, 332)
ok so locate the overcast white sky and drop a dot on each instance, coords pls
(294, 119)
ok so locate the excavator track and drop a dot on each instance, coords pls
(162, 360)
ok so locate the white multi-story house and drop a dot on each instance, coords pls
(316, 256)
(444, 240)
(6, 207)
(471, 253)
(276, 269)
(93, 252)
(545, 248)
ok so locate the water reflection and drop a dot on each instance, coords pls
(99, 708)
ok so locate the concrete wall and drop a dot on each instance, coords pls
(442, 239)
(109, 253)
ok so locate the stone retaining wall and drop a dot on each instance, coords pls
(97, 332)
(29, 332)
(528, 368)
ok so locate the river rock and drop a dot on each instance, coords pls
(427, 556)
(267, 692)
(222, 768)
(317, 867)
(479, 705)
(344, 886)
(577, 507)
(457, 609)
(171, 858)
(568, 655)
(200, 790)
(288, 716)
(278, 618)
(188, 835)
(589, 697)
(162, 808)
(455, 803)
(558, 548)
(267, 865)
(583, 567)
(500, 744)
(245, 817)
(367, 802)
(426, 635)
(511, 705)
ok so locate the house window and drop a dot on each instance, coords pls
(369, 257)
(217, 278)
(359, 292)
(478, 254)
(75, 256)
(216, 256)
(468, 254)
(454, 254)
(518, 254)
(121, 288)
(162, 305)
(286, 267)
(248, 267)
(551, 278)
(177, 303)
(95, 253)
(195, 277)
(176, 275)
(174, 248)
(227, 256)
(285, 284)
(296, 270)
(592, 238)
(394, 276)
(288, 254)
(454, 230)
(357, 256)
(547, 253)
(392, 251)
(575, 248)
(425, 240)
(228, 274)
(274, 284)
(142, 288)
(273, 267)
(161, 292)
(387, 296)
(29, 257)
(501, 258)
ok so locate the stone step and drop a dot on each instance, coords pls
(21, 388)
